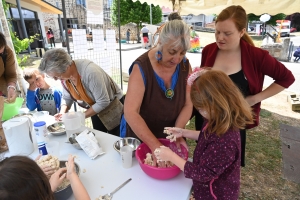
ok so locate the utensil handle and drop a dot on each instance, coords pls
(120, 186)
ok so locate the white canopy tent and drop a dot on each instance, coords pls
(208, 7)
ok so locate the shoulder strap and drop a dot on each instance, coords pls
(112, 85)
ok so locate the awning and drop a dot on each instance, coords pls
(45, 7)
(208, 7)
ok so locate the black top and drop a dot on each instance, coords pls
(241, 82)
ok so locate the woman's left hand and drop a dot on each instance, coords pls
(11, 95)
(57, 178)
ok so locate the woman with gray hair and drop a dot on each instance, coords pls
(157, 94)
(84, 82)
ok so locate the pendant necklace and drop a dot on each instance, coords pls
(169, 93)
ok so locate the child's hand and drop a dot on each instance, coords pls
(57, 178)
(173, 133)
(71, 171)
(45, 168)
(163, 153)
(32, 86)
(49, 171)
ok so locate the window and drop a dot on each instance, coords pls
(81, 2)
(72, 23)
(27, 14)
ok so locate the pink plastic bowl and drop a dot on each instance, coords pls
(155, 172)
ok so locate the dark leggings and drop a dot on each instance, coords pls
(98, 125)
(52, 41)
(198, 126)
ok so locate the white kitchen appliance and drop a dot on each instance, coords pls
(17, 132)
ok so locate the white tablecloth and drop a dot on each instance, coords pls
(105, 173)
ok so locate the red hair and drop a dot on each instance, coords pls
(239, 17)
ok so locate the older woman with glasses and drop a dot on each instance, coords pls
(84, 82)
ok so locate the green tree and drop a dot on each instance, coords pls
(135, 12)
(19, 45)
(272, 21)
(296, 21)
(156, 14)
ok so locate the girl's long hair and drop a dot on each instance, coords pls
(214, 92)
(22, 178)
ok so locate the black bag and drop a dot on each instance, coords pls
(111, 115)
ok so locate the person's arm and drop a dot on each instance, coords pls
(215, 159)
(268, 92)
(271, 67)
(186, 112)
(89, 112)
(10, 75)
(180, 132)
(78, 188)
(10, 68)
(98, 84)
(57, 98)
(57, 178)
(66, 104)
(31, 100)
(133, 102)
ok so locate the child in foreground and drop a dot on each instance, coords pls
(215, 169)
(40, 95)
(22, 178)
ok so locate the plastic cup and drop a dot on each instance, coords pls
(53, 148)
(126, 154)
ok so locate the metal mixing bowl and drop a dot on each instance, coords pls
(65, 193)
(57, 128)
(127, 141)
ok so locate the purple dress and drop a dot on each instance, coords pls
(215, 169)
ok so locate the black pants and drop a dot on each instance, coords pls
(98, 125)
(198, 126)
(52, 41)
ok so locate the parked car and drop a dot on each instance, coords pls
(293, 30)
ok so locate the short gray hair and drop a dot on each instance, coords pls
(178, 31)
(55, 61)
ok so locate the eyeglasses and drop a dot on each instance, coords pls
(58, 76)
(54, 77)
